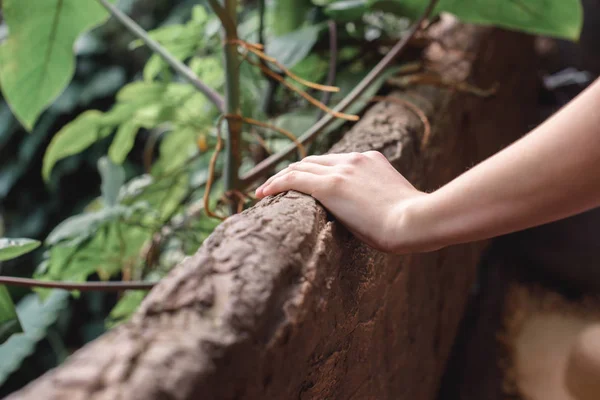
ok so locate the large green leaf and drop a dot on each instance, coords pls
(37, 61)
(36, 317)
(83, 225)
(558, 18)
(348, 10)
(12, 248)
(9, 322)
(113, 177)
(123, 142)
(293, 47)
(74, 138)
(125, 308)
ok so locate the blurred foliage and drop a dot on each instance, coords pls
(123, 144)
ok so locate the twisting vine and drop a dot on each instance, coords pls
(230, 110)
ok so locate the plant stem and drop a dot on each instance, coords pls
(263, 167)
(333, 56)
(174, 63)
(232, 101)
(88, 286)
(291, 15)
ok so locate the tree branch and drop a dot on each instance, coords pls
(83, 287)
(174, 63)
(331, 75)
(269, 163)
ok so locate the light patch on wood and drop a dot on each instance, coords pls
(540, 328)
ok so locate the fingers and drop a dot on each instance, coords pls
(319, 165)
(345, 158)
(328, 159)
(300, 181)
(310, 168)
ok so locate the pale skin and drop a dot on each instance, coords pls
(549, 174)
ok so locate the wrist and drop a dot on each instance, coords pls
(417, 228)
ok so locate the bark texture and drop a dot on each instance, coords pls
(282, 303)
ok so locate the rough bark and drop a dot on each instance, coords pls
(282, 303)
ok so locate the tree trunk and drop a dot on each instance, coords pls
(281, 302)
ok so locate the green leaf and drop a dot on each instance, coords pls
(113, 177)
(348, 10)
(293, 47)
(112, 247)
(83, 225)
(37, 60)
(123, 142)
(13, 248)
(36, 317)
(557, 18)
(125, 308)
(74, 138)
(313, 67)
(9, 321)
(177, 147)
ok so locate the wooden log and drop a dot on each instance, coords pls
(281, 302)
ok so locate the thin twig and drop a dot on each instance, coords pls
(284, 132)
(262, 11)
(174, 63)
(148, 156)
(264, 57)
(333, 56)
(415, 109)
(269, 163)
(302, 93)
(83, 287)
(211, 171)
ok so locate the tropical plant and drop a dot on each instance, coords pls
(213, 71)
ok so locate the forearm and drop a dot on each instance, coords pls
(551, 173)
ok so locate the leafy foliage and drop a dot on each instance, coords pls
(12, 248)
(9, 321)
(36, 61)
(559, 18)
(36, 317)
(154, 143)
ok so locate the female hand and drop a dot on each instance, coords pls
(362, 190)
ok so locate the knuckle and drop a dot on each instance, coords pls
(356, 158)
(374, 154)
(290, 176)
(345, 169)
(336, 180)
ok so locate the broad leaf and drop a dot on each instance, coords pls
(83, 225)
(113, 177)
(123, 142)
(125, 308)
(36, 317)
(558, 18)
(293, 47)
(37, 60)
(9, 322)
(74, 138)
(348, 10)
(12, 248)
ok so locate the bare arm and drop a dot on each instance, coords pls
(551, 173)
